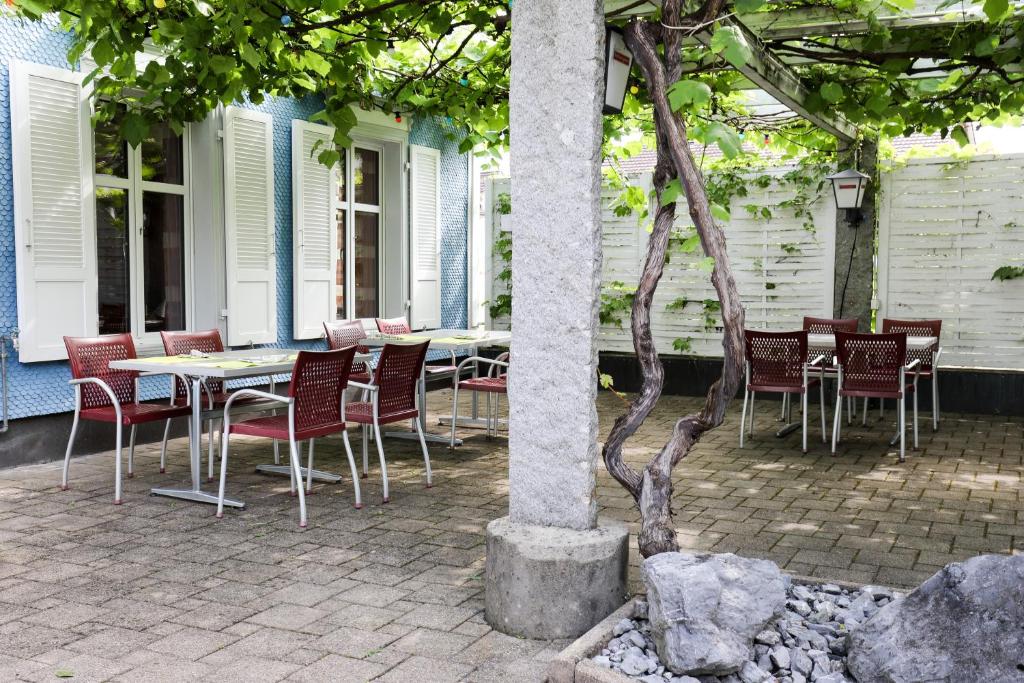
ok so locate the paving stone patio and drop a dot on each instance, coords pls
(158, 589)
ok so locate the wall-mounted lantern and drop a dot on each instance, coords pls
(848, 187)
(618, 62)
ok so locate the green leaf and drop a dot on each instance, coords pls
(103, 52)
(960, 135)
(707, 264)
(134, 128)
(688, 94)
(727, 139)
(995, 10)
(1008, 273)
(605, 380)
(720, 212)
(250, 55)
(673, 190)
(730, 43)
(747, 6)
(831, 92)
(64, 673)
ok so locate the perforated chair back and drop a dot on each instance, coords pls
(343, 333)
(319, 378)
(917, 328)
(871, 362)
(91, 356)
(776, 359)
(180, 343)
(397, 373)
(829, 325)
(393, 326)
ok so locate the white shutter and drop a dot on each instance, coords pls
(54, 214)
(315, 237)
(425, 193)
(249, 227)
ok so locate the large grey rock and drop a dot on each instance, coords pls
(965, 623)
(546, 582)
(706, 609)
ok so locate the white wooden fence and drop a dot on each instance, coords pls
(783, 270)
(945, 226)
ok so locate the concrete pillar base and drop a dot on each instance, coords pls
(549, 582)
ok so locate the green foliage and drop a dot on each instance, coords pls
(442, 58)
(616, 301)
(503, 204)
(1008, 273)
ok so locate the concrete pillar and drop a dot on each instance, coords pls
(552, 570)
(854, 276)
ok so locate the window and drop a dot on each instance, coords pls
(142, 231)
(359, 232)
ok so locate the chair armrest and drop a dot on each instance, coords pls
(485, 361)
(913, 364)
(266, 395)
(816, 361)
(364, 387)
(77, 384)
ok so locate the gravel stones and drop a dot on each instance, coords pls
(965, 623)
(705, 610)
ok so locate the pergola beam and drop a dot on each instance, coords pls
(775, 77)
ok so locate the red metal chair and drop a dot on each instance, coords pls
(401, 326)
(776, 363)
(392, 399)
(875, 366)
(344, 333)
(315, 409)
(105, 395)
(494, 384)
(929, 357)
(831, 326)
(214, 391)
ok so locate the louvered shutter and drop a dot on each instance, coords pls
(425, 193)
(249, 227)
(54, 214)
(315, 238)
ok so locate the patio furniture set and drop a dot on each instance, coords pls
(390, 387)
(887, 365)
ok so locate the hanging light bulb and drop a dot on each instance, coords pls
(464, 81)
(398, 117)
(159, 4)
(286, 20)
(391, 46)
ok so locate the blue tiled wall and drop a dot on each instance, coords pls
(41, 388)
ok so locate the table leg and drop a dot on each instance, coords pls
(196, 494)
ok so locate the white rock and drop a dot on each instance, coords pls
(752, 673)
(769, 636)
(623, 626)
(780, 657)
(706, 609)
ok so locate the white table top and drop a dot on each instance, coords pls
(225, 365)
(828, 341)
(454, 340)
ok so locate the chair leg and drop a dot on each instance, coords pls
(67, 454)
(849, 410)
(903, 427)
(366, 455)
(309, 468)
(117, 467)
(782, 414)
(163, 447)
(383, 465)
(277, 451)
(455, 414)
(223, 474)
(821, 398)
(935, 399)
(131, 452)
(835, 423)
(297, 475)
(915, 420)
(743, 416)
(352, 466)
(881, 409)
(426, 454)
(864, 413)
(753, 397)
(803, 417)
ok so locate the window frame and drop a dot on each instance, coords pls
(135, 187)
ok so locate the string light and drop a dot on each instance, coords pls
(391, 46)
(286, 20)
(398, 117)
(159, 4)
(464, 81)
(633, 89)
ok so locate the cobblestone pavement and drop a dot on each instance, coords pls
(158, 589)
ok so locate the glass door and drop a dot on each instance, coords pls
(359, 233)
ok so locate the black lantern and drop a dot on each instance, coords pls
(618, 62)
(848, 187)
